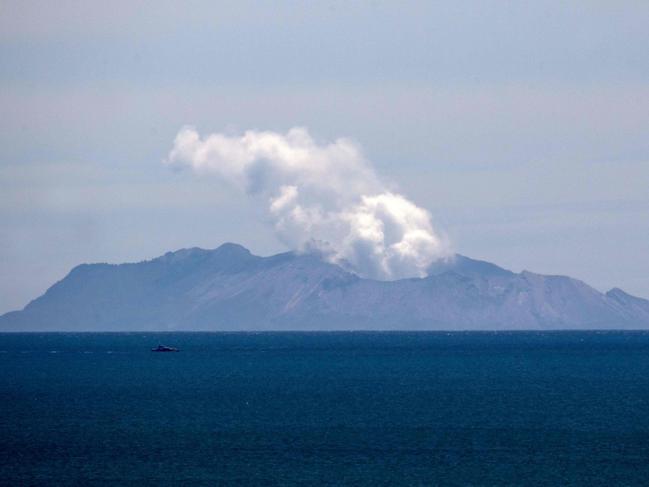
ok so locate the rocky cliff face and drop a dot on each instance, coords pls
(230, 289)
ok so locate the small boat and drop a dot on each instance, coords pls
(162, 348)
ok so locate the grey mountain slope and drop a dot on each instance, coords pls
(631, 306)
(230, 289)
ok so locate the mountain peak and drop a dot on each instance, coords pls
(620, 295)
(616, 291)
(226, 250)
(466, 266)
(228, 256)
(183, 254)
(232, 249)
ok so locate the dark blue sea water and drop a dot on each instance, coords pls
(325, 408)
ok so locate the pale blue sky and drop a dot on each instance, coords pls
(522, 126)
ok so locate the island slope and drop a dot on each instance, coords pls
(231, 289)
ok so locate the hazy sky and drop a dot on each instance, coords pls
(522, 126)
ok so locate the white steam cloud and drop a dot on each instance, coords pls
(321, 197)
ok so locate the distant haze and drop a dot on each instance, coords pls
(521, 127)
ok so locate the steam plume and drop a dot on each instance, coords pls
(320, 197)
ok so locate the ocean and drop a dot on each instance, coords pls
(356, 408)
